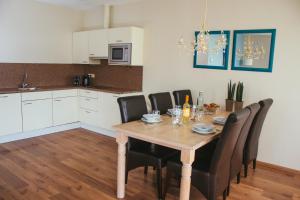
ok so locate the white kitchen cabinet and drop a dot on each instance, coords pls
(98, 43)
(65, 110)
(110, 110)
(89, 117)
(132, 35)
(10, 114)
(37, 114)
(81, 47)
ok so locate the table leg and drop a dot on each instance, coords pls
(121, 140)
(187, 159)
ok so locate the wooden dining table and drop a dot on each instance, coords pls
(166, 134)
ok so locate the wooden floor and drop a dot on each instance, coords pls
(79, 164)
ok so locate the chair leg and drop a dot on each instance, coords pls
(254, 164)
(146, 170)
(228, 189)
(238, 178)
(245, 170)
(126, 176)
(159, 182)
(225, 194)
(168, 182)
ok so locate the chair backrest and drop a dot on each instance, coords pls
(251, 146)
(161, 101)
(179, 97)
(220, 164)
(237, 156)
(132, 108)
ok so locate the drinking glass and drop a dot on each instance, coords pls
(177, 115)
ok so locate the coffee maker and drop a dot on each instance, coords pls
(86, 80)
(77, 81)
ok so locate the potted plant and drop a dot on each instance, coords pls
(230, 96)
(239, 97)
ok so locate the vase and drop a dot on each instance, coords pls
(229, 105)
(238, 106)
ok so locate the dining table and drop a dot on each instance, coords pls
(166, 134)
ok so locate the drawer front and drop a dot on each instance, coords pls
(31, 96)
(88, 93)
(88, 103)
(89, 117)
(65, 93)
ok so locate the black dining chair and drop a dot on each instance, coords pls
(140, 153)
(237, 156)
(210, 174)
(179, 97)
(251, 146)
(161, 101)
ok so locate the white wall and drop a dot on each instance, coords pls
(33, 32)
(166, 69)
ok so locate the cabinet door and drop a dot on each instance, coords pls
(89, 117)
(98, 43)
(110, 113)
(80, 48)
(120, 35)
(65, 110)
(10, 115)
(37, 114)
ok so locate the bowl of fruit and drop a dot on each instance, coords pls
(211, 108)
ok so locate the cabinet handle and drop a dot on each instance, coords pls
(87, 99)
(119, 41)
(87, 112)
(28, 104)
(91, 54)
(57, 100)
(2, 97)
(85, 62)
(116, 96)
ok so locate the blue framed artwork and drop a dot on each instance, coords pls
(253, 50)
(214, 58)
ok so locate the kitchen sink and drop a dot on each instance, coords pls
(28, 89)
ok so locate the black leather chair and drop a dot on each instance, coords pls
(251, 146)
(161, 102)
(237, 156)
(179, 97)
(211, 175)
(140, 153)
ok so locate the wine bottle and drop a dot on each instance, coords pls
(186, 110)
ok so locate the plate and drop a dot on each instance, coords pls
(203, 132)
(219, 120)
(151, 122)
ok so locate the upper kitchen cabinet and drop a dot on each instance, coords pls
(98, 43)
(81, 47)
(129, 35)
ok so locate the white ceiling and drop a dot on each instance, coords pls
(86, 4)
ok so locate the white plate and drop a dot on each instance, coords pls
(151, 117)
(151, 122)
(203, 127)
(220, 120)
(204, 132)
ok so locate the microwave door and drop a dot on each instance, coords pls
(117, 54)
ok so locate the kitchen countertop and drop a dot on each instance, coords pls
(52, 88)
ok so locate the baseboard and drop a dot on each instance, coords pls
(101, 131)
(278, 168)
(30, 134)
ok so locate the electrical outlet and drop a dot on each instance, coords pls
(92, 75)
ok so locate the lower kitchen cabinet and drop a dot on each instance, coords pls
(10, 115)
(89, 117)
(37, 114)
(65, 110)
(110, 110)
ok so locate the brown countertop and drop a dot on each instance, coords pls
(52, 88)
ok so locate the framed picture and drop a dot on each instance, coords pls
(214, 58)
(253, 50)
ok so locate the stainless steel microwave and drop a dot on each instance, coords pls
(119, 54)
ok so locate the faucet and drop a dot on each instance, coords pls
(24, 84)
